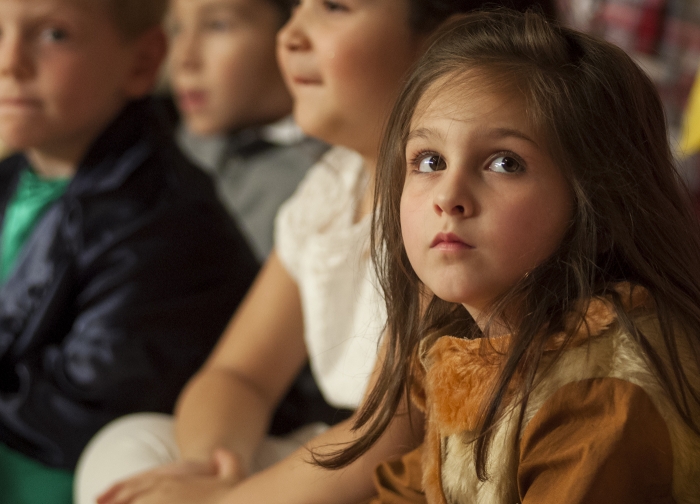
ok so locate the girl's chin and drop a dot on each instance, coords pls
(451, 297)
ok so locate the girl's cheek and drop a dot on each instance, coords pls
(536, 230)
(412, 220)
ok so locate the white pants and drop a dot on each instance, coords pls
(142, 441)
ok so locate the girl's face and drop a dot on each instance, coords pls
(222, 64)
(483, 203)
(343, 62)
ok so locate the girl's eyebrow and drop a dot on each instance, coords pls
(510, 132)
(427, 133)
(424, 133)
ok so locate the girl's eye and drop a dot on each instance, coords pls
(431, 163)
(505, 164)
(54, 35)
(332, 6)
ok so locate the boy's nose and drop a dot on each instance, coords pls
(14, 62)
(185, 51)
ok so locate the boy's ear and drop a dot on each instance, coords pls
(149, 52)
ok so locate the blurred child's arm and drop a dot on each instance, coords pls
(295, 480)
(229, 403)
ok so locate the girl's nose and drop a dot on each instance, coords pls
(454, 196)
(292, 36)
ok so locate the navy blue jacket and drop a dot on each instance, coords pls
(118, 295)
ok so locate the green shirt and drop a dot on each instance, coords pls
(32, 198)
(22, 479)
(26, 481)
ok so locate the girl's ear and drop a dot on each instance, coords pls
(149, 50)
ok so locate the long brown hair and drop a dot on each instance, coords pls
(604, 126)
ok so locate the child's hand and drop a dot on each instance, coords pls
(180, 482)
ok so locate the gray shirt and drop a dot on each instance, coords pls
(255, 171)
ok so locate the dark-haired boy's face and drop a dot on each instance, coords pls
(63, 73)
(223, 67)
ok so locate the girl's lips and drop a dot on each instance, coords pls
(306, 81)
(449, 241)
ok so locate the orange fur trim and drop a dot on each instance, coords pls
(458, 379)
(453, 377)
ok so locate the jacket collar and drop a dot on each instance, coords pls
(119, 150)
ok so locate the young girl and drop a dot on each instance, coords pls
(541, 266)
(315, 298)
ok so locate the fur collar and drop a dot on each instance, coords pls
(455, 376)
(466, 370)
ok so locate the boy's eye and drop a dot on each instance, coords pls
(505, 164)
(332, 6)
(54, 34)
(431, 163)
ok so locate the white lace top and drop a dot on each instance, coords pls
(328, 256)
